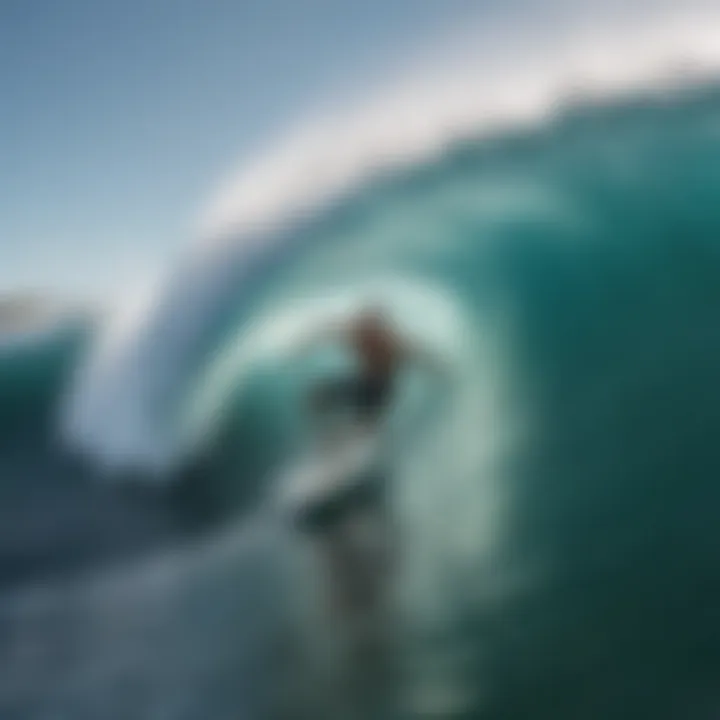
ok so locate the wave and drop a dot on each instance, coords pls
(578, 260)
(305, 194)
(563, 505)
(36, 363)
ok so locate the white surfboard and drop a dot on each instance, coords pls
(330, 471)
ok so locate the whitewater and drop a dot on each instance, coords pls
(561, 250)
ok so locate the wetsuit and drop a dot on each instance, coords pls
(366, 395)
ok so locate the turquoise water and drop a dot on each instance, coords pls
(34, 376)
(561, 534)
(569, 523)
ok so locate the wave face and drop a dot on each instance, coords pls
(562, 538)
(35, 367)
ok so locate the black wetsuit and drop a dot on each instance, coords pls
(367, 395)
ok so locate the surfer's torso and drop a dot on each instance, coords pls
(370, 388)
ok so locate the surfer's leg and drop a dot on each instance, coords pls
(359, 607)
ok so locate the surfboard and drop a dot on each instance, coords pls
(332, 479)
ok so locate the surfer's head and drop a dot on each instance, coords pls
(375, 340)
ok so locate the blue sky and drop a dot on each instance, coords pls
(119, 118)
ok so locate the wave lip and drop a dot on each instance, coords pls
(416, 120)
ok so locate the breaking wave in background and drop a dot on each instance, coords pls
(559, 507)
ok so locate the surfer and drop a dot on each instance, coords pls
(381, 355)
(343, 510)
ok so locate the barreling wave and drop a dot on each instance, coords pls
(561, 517)
(393, 189)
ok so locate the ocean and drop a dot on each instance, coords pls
(558, 507)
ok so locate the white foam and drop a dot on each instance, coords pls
(411, 121)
